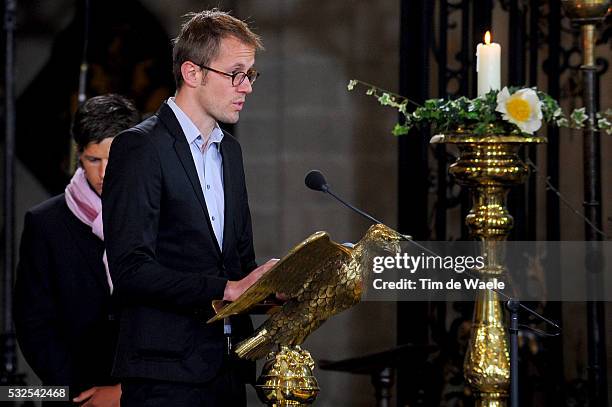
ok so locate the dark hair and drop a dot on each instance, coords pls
(101, 117)
(201, 36)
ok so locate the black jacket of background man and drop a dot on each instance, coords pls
(165, 262)
(63, 310)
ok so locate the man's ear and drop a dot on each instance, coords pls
(191, 74)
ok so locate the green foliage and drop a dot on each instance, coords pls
(400, 129)
(604, 121)
(476, 116)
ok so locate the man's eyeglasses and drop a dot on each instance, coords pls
(237, 77)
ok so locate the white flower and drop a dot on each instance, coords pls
(522, 108)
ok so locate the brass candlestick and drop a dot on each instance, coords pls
(587, 13)
(489, 166)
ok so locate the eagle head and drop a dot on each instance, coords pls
(384, 238)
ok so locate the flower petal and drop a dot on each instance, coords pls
(502, 98)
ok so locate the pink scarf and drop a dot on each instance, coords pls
(86, 205)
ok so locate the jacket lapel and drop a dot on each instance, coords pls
(183, 152)
(228, 215)
(90, 254)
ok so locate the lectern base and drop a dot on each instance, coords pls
(286, 379)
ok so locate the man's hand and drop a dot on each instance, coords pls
(234, 289)
(281, 297)
(100, 396)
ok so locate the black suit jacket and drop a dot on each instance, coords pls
(164, 259)
(63, 314)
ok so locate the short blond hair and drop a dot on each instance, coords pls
(201, 36)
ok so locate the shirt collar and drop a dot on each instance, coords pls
(217, 134)
(190, 129)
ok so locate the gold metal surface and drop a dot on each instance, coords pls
(587, 13)
(320, 278)
(586, 9)
(588, 45)
(463, 138)
(487, 362)
(489, 166)
(287, 379)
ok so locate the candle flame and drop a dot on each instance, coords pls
(487, 37)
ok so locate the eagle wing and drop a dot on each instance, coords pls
(289, 274)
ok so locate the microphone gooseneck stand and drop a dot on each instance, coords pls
(316, 181)
(513, 306)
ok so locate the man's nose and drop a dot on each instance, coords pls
(245, 86)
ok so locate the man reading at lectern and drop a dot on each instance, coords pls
(178, 227)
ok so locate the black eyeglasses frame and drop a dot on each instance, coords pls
(234, 75)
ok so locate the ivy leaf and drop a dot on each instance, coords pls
(578, 117)
(604, 125)
(385, 99)
(400, 129)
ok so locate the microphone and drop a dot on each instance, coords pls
(316, 181)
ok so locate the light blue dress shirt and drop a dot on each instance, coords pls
(209, 165)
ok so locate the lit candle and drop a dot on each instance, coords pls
(488, 65)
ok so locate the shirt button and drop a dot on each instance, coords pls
(207, 186)
(213, 218)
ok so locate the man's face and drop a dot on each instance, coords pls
(217, 97)
(94, 159)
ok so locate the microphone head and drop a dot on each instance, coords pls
(316, 181)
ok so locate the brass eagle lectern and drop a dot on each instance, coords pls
(320, 278)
